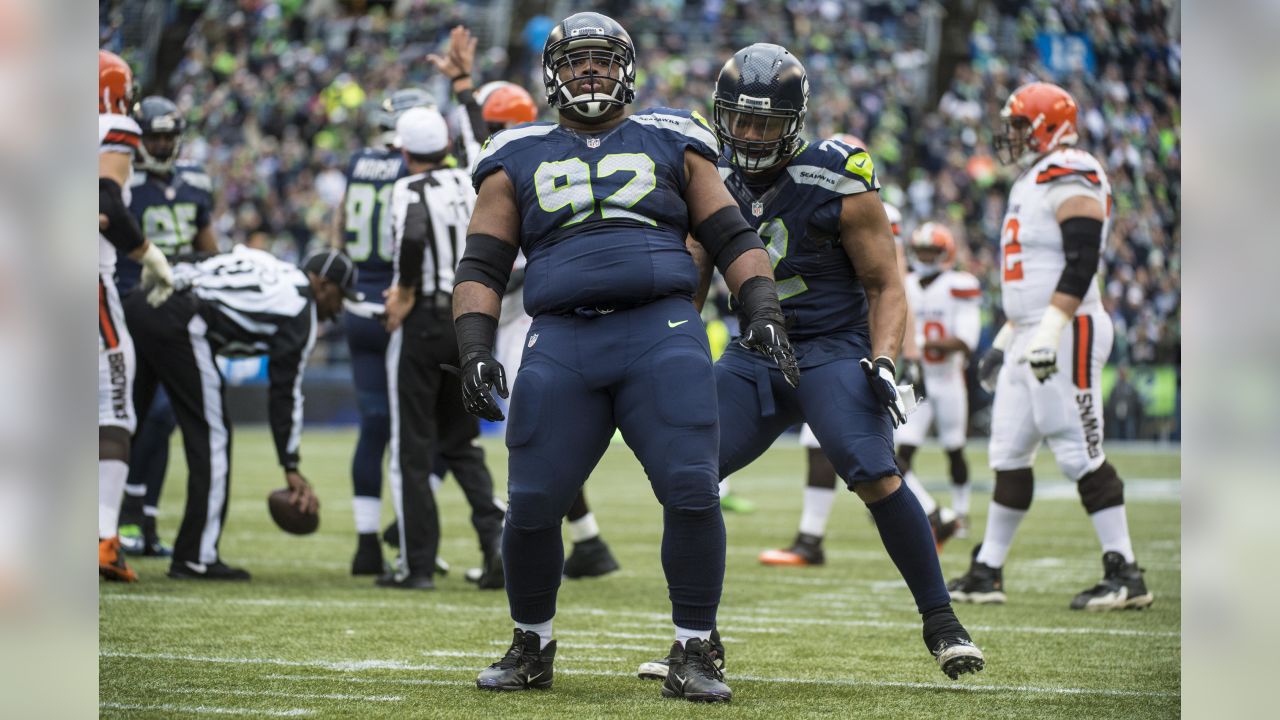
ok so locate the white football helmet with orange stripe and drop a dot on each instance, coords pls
(933, 249)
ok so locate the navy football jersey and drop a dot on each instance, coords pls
(366, 229)
(603, 219)
(170, 210)
(798, 217)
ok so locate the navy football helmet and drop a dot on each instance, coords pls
(761, 99)
(395, 105)
(579, 43)
(162, 126)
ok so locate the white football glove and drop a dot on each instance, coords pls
(1042, 352)
(157, 276)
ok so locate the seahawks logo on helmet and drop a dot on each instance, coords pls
(162, 126)
(575, 50)
(760, 102)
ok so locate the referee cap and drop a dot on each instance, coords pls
(422, 131)
(337, 268)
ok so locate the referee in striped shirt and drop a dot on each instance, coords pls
(430, 210)
(242, 303)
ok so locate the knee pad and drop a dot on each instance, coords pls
(959, 467)
(113, 443)
(822, 474)
(533, 510)
(903, 457)
(1101, 489)
(1014, 488)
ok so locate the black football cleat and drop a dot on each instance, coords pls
(405, 581)
(492, 576)
(524, 667)
(368, 558)
(944, 523)
(692, 674)
(590, 558)
(1122, 587)
(950, 644)
(657, 669)
(805, 551)
(187, 570)
(982, 585)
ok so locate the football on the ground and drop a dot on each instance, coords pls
(288, 517)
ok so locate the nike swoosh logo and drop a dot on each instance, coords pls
(198, 567)
(679, 680)
(676, 324)
(535, 677)
(861, 164)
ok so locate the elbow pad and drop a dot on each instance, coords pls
(1082, 246)
(122, 229)
(726, 235)
(488, 261)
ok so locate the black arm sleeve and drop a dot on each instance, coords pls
(411, 246)
(290, 349)
(475, 115)
(1082, 245)
(122, 229)
(759, 296)
(726, 235)
(488, 261)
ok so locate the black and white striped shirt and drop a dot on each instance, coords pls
(429, 215)
(256, 304)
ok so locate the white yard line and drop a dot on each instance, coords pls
(491, 655)
(279, 694)
(206, 709)
(764, 617)
(360, 680)
(348, 665)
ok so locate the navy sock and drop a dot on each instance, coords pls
(371, 445)
(533, 561)
(904, 529)
(693, 548)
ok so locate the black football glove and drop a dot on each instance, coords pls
(765, 330)
(912, 374)
(880, 376)
(479, 375)
(989, 368)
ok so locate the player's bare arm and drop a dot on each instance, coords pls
(481, 278)
(703, 262)
(204, 241)
(706, 195)
(337, 238)
(868, 240)
(736, 249)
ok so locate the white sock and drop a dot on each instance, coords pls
(1002, 525)
(926, 500)
(817, 509)
(151, 511)
(724, 488)
(683, 635)
(135, 490)
(584, 528)
(435, 481)
(543, 629)
(368, 513)
(1112, 527)
(112, 475)
(960, 498)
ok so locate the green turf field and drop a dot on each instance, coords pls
(306, 639)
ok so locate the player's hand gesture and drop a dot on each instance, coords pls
(480, 374)
(770, 339)
(880, 376)
(398, 303)
(301, 494)
(1043, 360)
(460, 56)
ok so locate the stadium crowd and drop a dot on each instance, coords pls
(279, 94)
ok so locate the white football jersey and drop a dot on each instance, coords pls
(116, 134)
(1031, 240)
(947, 306)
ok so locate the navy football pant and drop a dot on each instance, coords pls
(368, 343)
(646, 371)
(149, 460)
(756, 406)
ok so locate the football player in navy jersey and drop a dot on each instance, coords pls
(818, 208)
(364, 232)
(601, 203)
(172, 202)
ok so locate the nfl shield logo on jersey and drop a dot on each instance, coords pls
(757, 208)
(593, 142)
(532, 339)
